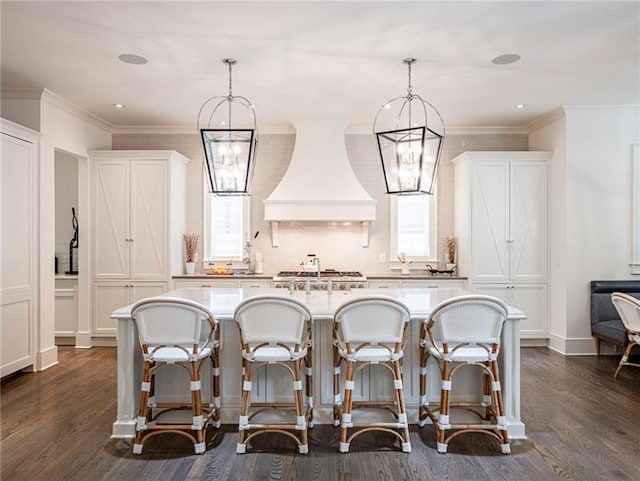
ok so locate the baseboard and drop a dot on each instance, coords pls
(578, 346)
(83, 340)
(47, 358)
(104, 341)
(534, 342)
(65, 340)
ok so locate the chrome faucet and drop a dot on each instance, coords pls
(316, 262)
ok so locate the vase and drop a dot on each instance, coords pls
(191, 267)
(405, 268)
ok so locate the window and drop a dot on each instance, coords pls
(226, 226)
(413, 227)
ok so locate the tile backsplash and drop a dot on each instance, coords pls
(338, 246)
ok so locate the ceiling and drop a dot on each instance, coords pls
(324, 60)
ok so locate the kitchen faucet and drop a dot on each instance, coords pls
(316, 262)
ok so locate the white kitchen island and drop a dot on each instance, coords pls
(222, 303)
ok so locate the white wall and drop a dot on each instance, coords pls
(66, 128)
(592, 190)
(339, 247)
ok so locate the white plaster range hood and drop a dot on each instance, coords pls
(319, 184)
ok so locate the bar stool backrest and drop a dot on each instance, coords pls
(372, 319)
(273, 319)
(469, 319)
(629, 310)
(170, 321)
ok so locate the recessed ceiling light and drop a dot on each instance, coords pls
(132, 59)
(118, 106)
(519, 106)
(506, 59)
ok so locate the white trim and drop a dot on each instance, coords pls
(47, 358)
(635, 210)
(393, 229)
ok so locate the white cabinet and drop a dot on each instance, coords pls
(531, 298)
(18, 247)
(395, 283)
(139, 217)
(66, 306)
(110, 295)
(501, 225)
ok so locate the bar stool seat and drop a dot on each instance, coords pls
(275, 330)
(182, 333)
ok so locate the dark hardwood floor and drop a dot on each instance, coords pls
(581, 423)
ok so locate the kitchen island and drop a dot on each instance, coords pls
(222, 302)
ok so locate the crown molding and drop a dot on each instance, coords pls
(61, 103)
(546, 119)
(601, 109)
(55, 100)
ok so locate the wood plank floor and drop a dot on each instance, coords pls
(581, 425)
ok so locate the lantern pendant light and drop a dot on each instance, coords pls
(229, 137)
(410, 132)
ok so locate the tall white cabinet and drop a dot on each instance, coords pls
(139, 217)
(18, 247)
(501, 223)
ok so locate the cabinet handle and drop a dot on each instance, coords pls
(204, 285)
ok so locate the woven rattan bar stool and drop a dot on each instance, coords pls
(275, 330)
(369, 331)
(182, 333)
(629, 309)
(462, 331)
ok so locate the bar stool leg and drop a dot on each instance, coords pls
(337, 395)
(499, 408)
(308, 385)
(347, 404)
(301, 422)
(143, 407)
(443, 418)
(243, 422)
(402, 411)
(215, 361)
(423, 410)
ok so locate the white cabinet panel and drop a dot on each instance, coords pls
(530, 298)
(111, 219)
(528, 221)
(18, 247)
(109, 295)
(383, 284)
(149, 219)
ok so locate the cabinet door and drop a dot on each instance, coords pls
(529, 298)
(382, 284)
(435, 283)
(140, 290)
(149, 219)
(528, 221)
(490, 222)
(255, 284)
(107, 297)
(66, 308)
(532, 300)
(18, 254)
(111, 219)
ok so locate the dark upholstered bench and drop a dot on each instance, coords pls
(605, 320)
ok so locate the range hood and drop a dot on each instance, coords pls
(319, 184)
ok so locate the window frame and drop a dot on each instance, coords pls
(206, 226)
(432, 229)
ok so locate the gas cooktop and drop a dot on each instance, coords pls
(326, 274)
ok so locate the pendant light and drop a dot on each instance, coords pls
(227, 126)
(410, 132)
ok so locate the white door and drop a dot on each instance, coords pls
(111, 219)
(149, 219)
(528, 221)
(18, 254)
(490, 218)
